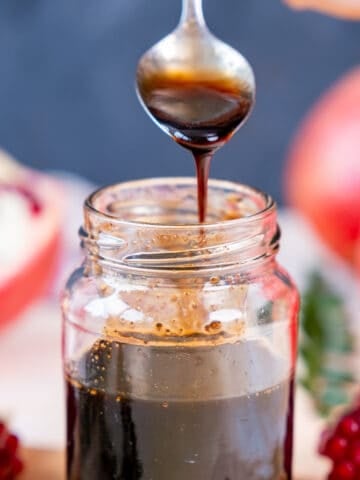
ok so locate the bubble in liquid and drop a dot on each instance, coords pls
(105, 290)
(214, 326)
(214, 280)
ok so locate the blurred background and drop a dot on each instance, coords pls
(67, 84)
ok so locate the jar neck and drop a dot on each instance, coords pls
(150, 226)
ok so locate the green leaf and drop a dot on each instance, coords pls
(324, 335)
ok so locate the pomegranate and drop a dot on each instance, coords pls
(30, 214)
(322, 178)
(340, 8)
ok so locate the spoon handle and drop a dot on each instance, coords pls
(192, 13)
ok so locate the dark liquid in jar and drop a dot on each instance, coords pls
(201, 113)
(116, 435)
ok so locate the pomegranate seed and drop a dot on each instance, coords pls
(341, 443)
(354, 453)
(18, 466)
(5, 474)
(3, 435)
(5, 464)
(356, 415)
(11, 444)
(10, 464)
(5, 457)
(343, 471)
(336, 448)
(349, 427)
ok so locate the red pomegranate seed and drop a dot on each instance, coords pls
(343, 471)
(356, 413)
(5, 474)
(341, 443)
(10, 464)
(5, 464)
(349, 427)
(336, 448)
(18, 466)
(5, 457)
(354, 453)
(3, 435)
(11, 444)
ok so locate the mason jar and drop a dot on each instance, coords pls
(179, 338)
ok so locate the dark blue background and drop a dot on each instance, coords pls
(67, 96)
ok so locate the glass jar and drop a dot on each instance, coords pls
(179, 338)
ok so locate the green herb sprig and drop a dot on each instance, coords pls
(325, 345)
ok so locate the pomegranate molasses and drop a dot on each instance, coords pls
(116, 432)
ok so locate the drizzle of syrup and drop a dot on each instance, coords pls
(201, 112)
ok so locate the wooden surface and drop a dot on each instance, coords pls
(43, 465)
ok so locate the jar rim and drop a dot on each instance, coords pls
(268, 204)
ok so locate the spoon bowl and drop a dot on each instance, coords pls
(198, 89)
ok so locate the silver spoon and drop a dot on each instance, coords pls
(198, 89)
